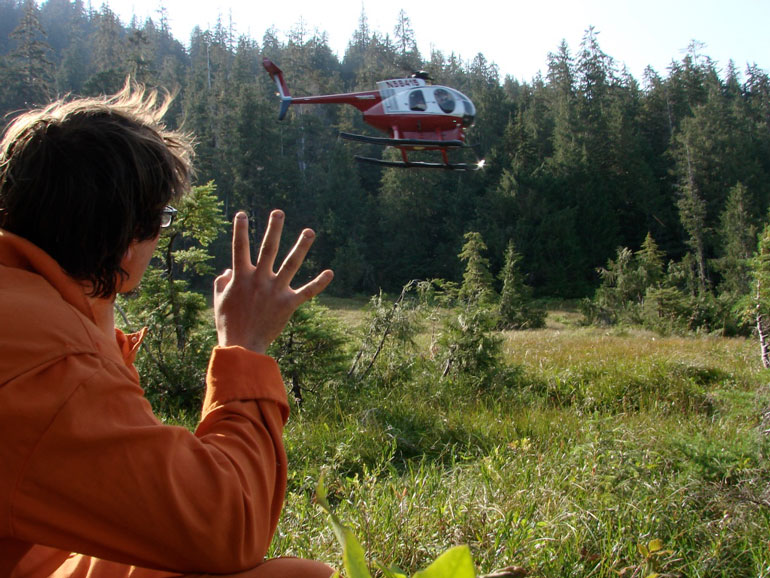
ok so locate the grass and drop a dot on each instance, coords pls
(596, 453)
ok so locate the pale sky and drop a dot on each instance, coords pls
(516, 35)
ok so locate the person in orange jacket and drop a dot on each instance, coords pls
(91, 482)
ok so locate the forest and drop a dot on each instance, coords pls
(582, 161)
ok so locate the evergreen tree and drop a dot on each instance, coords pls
(516, 309)
(310, 350)
(10, 16)
(180, 337)
(110, 56)
(651, 265)
(738, 238)
(28, 78)
(73, 71)
(562, 104)
(406, 44)
(477, 286)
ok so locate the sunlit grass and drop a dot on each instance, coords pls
(598, 453)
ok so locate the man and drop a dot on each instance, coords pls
(85, 466)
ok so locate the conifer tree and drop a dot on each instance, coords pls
(692, 213)
(174, 354)
(310, 350)
(738, 238)
(406, 44)
(650, 263)
(477, 286)
(516, 309)
(28, 80)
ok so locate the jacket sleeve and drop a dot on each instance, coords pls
(107, 479)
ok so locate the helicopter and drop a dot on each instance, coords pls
(416, 116)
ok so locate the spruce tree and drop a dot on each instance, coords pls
(28, 80)
(516, 308)
(174, 354)
(738, 239)
(477, 287)
(310, 351)
(650, 263)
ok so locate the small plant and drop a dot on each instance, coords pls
(310, 351)
(391, 330)
(469, 345)
(454, 563)
(655, 561)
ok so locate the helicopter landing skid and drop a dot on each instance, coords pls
(403, 142)
(417, 165)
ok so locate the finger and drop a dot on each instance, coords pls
(221, 282)
(241, 248)
(310, 290)
(296, 256)
(270, 242)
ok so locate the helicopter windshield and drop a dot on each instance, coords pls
(469, 114)
(445, 100)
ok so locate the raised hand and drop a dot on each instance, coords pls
(253, 303)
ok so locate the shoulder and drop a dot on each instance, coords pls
(39, 326)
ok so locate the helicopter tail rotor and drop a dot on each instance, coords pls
(283, 90)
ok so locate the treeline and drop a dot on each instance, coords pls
(581, 161)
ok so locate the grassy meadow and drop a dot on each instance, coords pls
(602, 452)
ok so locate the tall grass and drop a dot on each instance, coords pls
(594, 454)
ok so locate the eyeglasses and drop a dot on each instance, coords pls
(167, 216)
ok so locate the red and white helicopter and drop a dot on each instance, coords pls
(416, 116)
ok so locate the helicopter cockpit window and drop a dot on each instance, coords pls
(417, 100)
(469, 114)
(445, 100)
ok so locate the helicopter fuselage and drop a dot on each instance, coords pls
(408, 108)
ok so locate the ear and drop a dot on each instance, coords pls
(128, 256)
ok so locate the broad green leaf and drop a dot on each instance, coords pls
(655, 545)
(353, 557)
(454, 563)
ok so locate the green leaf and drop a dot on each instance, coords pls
(391, 572)
(353, 557)
(655, 545)
(454, 563)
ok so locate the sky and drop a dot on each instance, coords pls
(516, 35)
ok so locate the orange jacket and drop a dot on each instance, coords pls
(86, 467)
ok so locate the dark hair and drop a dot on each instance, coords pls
(83, 179)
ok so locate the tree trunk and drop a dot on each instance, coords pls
(764, 346)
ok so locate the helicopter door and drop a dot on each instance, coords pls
(417, 101)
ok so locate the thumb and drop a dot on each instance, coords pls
(221, 282)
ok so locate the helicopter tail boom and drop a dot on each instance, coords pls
(283, 90)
